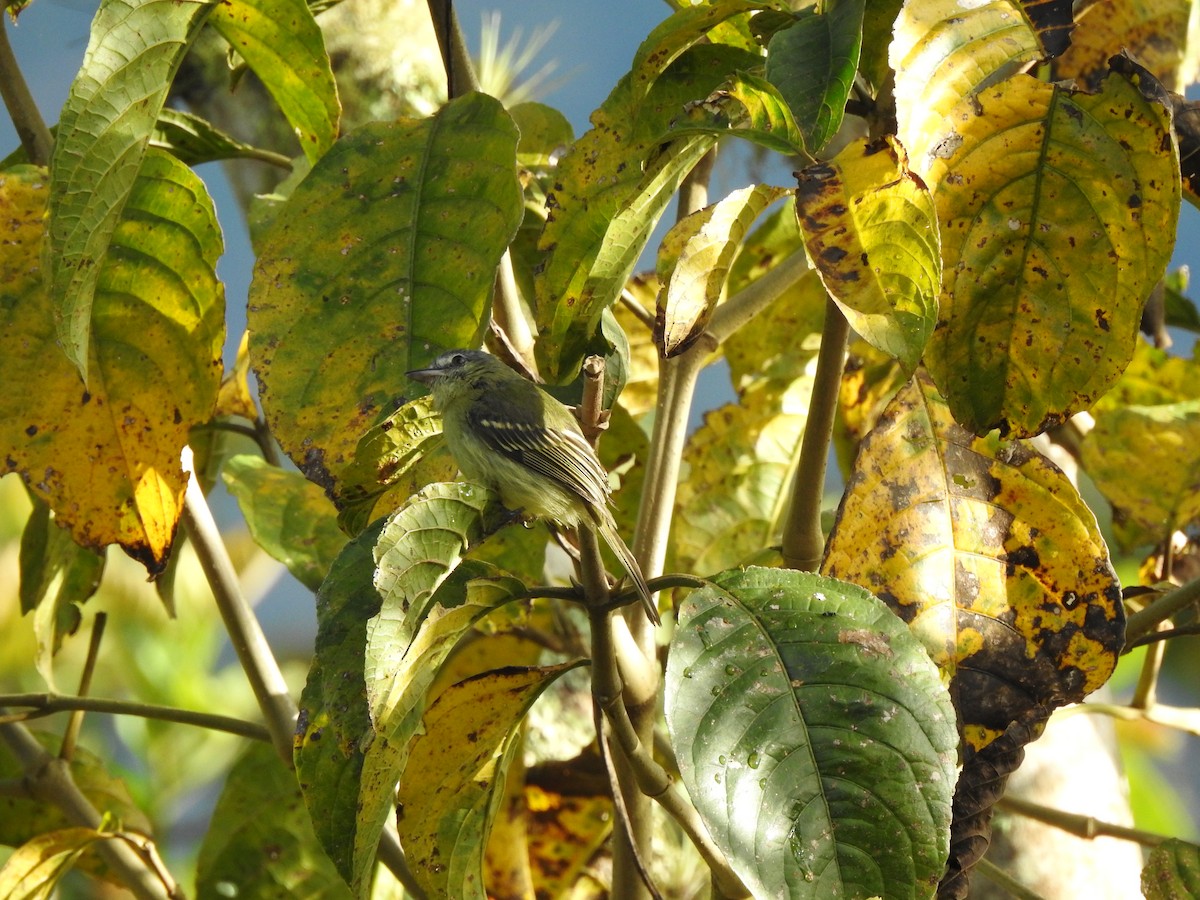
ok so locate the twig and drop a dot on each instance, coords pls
(49, 780)
(1087, 827)
(1177, 717)
(47, 704)
(67, 750)
(31, 127)
(1002, 879)
(1145, 621)
(803, 539)
(693, 192)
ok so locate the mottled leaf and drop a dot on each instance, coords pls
(1058, 213)
(1154, 32)
(1054, 21)
(779, 343)
(988, 553)
(288, 516)
(367, 269)
(610, 190)
(748, 107)
(943, 52)
(1172, 872)
(454, 775)
(106, 458)
(572, 817)
(36, 867)
(261, 842)
(813, 735)
(813, 62)
(694, 261)
(871, 232)
(281, 41)
(133, 52)
(1146, 461)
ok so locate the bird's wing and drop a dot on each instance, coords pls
(559, 454)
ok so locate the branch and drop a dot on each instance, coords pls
(1087, 827)
(1145, 621)
(31, 128)
(803, 538)
(45, 704)
(1000, 878)
(49, 780)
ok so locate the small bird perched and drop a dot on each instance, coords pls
(508, 434)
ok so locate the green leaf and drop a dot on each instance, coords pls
(747, 107)
(367, 269)
(694, 261)
(392, 461)
(1172, 872)
(545, 133)
(103, 132)
(1146, 461)
(944, 52)
(107, 459)
(813, 62)
(282, 43)
(57, 578)
(193, 140)
(987, 551)
(871, 231)
(288, 516)
(781, 341)
(261, 842)
(683, 29)
(813, 735)
(1057, 214)
(610, 190)
(453, 780)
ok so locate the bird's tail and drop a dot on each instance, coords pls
(608, 530)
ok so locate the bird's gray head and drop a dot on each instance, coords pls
(460, 375)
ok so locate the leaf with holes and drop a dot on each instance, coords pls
(813, 735)
(989, 554)
(943, 52)
(391, 243)
(1057, 214)
(871, 231)
(106, 458)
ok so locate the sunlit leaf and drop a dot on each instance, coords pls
(281, 41)
(392, 461)
(694, 261)
(1152, 378)
(988, 553)
(36, 867)
(1057, 212)
(813, 735)
(740, 465)
(870, 379)
(779, 342)
(1154, 32)
(748, 107)
(451, 783)
(545, 133)
(611, 188)
(261, 842)
(570, 819)
(103, 132)
(944, 51)
(106, 458)
(288, 515)
(813, 62)
(1146, 460)
(871, 233)
(368, 270)
(1172, 872)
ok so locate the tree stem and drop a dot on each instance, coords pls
(1145, 621)
(47, 703)
(31, 127)
(1079, 825)
(803, 538)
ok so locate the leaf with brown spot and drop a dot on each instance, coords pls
(107, 459)
(1057, 213)
(1154, 32)
(871, 232)
(989, 554)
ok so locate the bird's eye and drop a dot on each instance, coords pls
(457, 359)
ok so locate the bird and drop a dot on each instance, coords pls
(508, 434)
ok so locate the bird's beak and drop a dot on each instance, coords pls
(425, 376)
